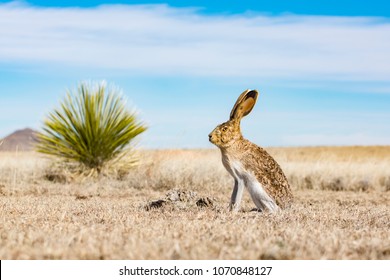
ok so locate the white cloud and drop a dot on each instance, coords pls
(157, 39)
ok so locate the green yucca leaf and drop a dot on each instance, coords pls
(91, 127)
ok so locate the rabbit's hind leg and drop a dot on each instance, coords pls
(259, 196)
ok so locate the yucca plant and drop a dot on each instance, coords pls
(92, 127)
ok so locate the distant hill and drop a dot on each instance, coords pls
(20, 140)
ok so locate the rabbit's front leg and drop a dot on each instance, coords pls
(235, 200)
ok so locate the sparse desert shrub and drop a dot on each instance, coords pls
(362, 186)
(304, 182)
(2, 189)
(58, 173)
(335, 184)
(92, 127)
(385, 182)
(308, 182)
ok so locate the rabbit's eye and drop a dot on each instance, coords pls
(224, 129)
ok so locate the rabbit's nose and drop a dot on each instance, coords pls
(209, 136)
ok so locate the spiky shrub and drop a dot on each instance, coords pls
(92, 127)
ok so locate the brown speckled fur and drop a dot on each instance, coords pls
(266, 170)
(227, 136)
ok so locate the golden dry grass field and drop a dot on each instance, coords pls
(341, 209)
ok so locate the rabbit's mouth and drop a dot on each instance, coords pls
(211, 138)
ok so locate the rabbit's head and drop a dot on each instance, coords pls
(228, 132)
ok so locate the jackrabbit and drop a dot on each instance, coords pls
(250, 165)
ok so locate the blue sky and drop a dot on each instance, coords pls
(322, 67)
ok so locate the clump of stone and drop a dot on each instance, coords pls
(180, 199)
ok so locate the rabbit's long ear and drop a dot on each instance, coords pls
(244, 104)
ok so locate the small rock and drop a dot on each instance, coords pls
(155, 204)
(204, 202)
(81, 197)
(180, 195)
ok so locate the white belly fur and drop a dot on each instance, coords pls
(259, 196)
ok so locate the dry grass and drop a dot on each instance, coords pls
(341, 209)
